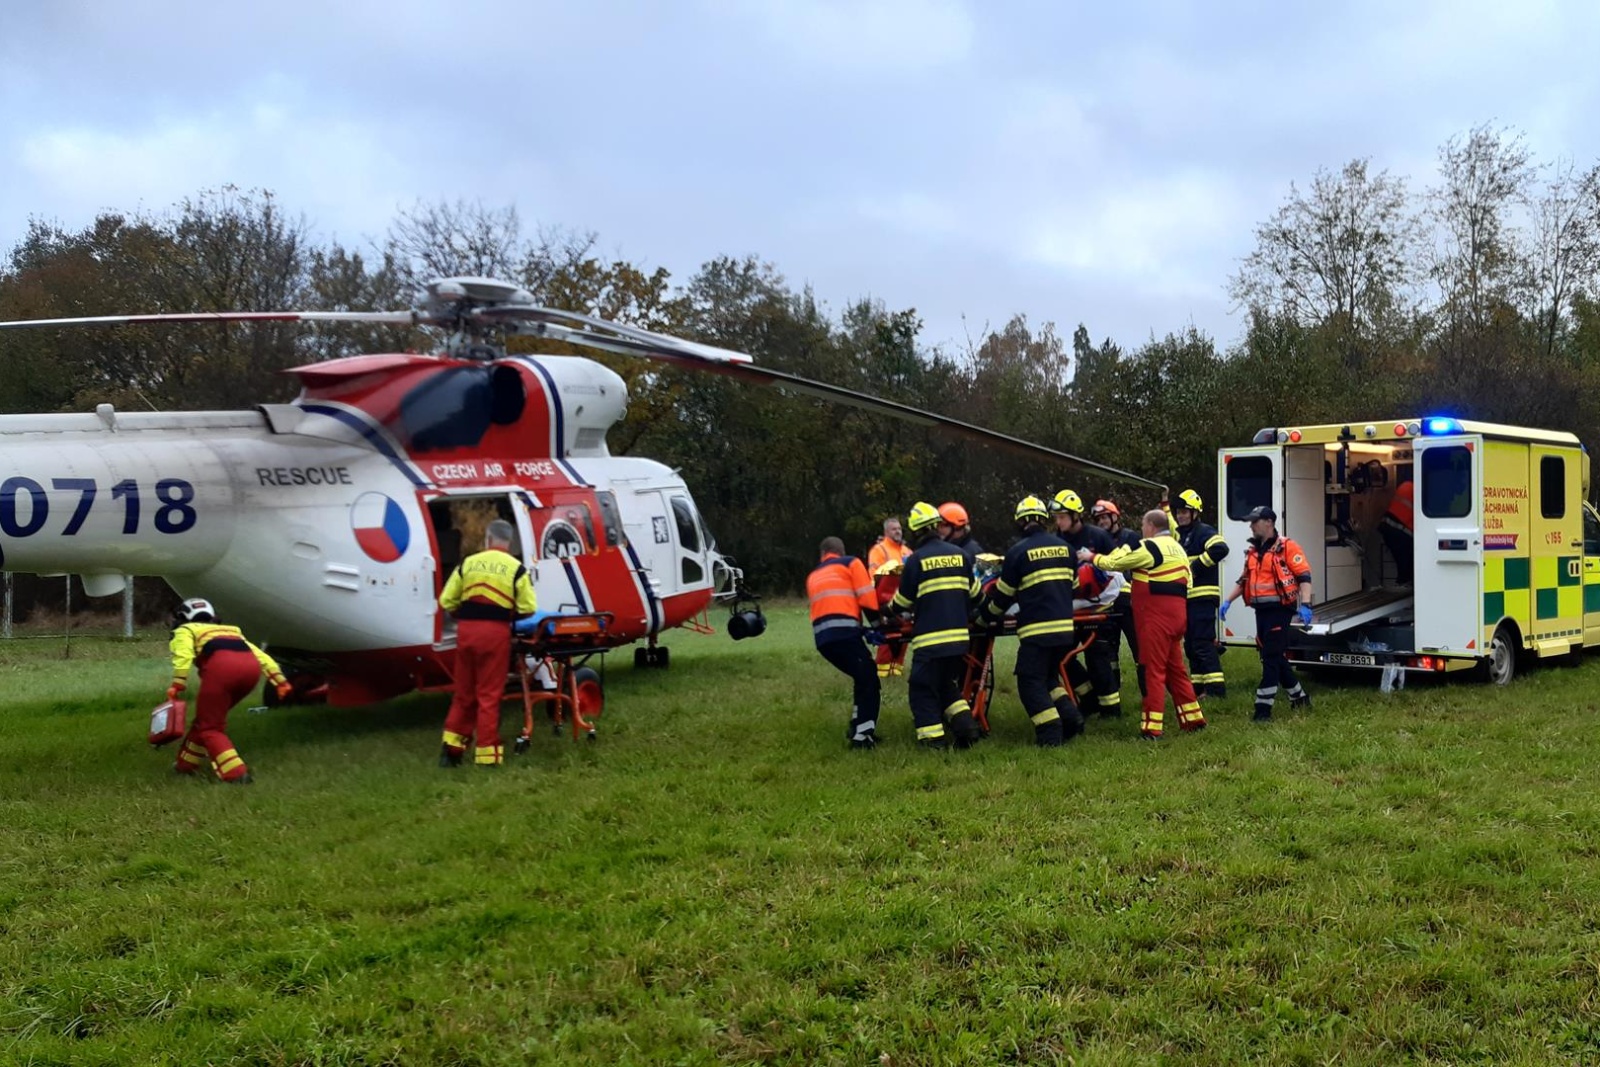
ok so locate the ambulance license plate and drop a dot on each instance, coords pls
(1352, 659)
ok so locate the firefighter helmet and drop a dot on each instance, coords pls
(194, 610)
(922, 516)
(1105, 507)
(1067, 500)
(954, 514)
(1031, 509)
(1191, 499)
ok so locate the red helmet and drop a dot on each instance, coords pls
(1105, 507)
(953, 513)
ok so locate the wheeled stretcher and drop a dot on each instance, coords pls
(551, 654)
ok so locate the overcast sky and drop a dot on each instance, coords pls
(1068, 161)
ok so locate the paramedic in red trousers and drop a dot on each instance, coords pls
(886, 555)
(487, 592)
(229, 668)
(1277, 583)
(1037, 575)
(1160, 573)
(939, 588)
(1205, 549)
(841, 592)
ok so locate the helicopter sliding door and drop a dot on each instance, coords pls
(457, 523)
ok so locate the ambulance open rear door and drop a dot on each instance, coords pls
(1247, 478)
(1449, 545)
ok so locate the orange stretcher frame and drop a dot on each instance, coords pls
(563, 644)
(977, 683)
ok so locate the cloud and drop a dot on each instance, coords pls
(884, 36)
(335, 171)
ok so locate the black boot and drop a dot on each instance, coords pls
(449, 758)
(963, 728)
(1071, 720)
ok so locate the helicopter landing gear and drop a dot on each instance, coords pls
(655, 656)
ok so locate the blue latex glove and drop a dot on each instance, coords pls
(1305, 614)
(1222, 612)
(872, 637)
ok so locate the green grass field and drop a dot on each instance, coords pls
(1406, 878)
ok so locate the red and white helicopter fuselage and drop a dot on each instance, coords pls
(322, 526)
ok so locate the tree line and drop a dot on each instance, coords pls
(1475, 294)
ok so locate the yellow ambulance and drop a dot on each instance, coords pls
(1504, 559)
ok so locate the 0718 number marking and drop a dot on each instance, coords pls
(25, 506)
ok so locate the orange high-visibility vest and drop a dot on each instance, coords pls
(839, 590)
(1274, 576)
(887, 551)
(1401, 505)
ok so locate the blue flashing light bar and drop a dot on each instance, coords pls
(1439, 425)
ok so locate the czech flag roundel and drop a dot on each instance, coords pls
(380, 526)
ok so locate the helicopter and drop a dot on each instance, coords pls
(326, 526)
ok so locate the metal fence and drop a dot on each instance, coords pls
(11, 631)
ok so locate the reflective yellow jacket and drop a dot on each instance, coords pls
(489, 585)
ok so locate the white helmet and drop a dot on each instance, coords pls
(196, 610)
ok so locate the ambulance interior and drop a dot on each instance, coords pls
(1333, 501)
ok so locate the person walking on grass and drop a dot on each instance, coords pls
(840, 592)
(1277, 583)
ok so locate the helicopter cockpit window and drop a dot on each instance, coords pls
(611, 517)
(690, 567)
(688, 530)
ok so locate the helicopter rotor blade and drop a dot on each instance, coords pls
(579, 329)
(395, 318)
(906, 413)
(531, 320)
(637, 342)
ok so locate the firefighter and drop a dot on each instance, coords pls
(1160, 573)
(1205, 549)
(1108, 517)
(1037, 575)
(841, 592)
(1067, 507)
(956, 528)
(1396, 528)
(1277, 583)
(1094, 674)
(229, 668)
(939, 588)
(486, 592)
(885, 559)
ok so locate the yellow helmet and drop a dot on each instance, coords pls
(922, 516)
(1031, 507)
(1191, 499)
(1067, 500)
